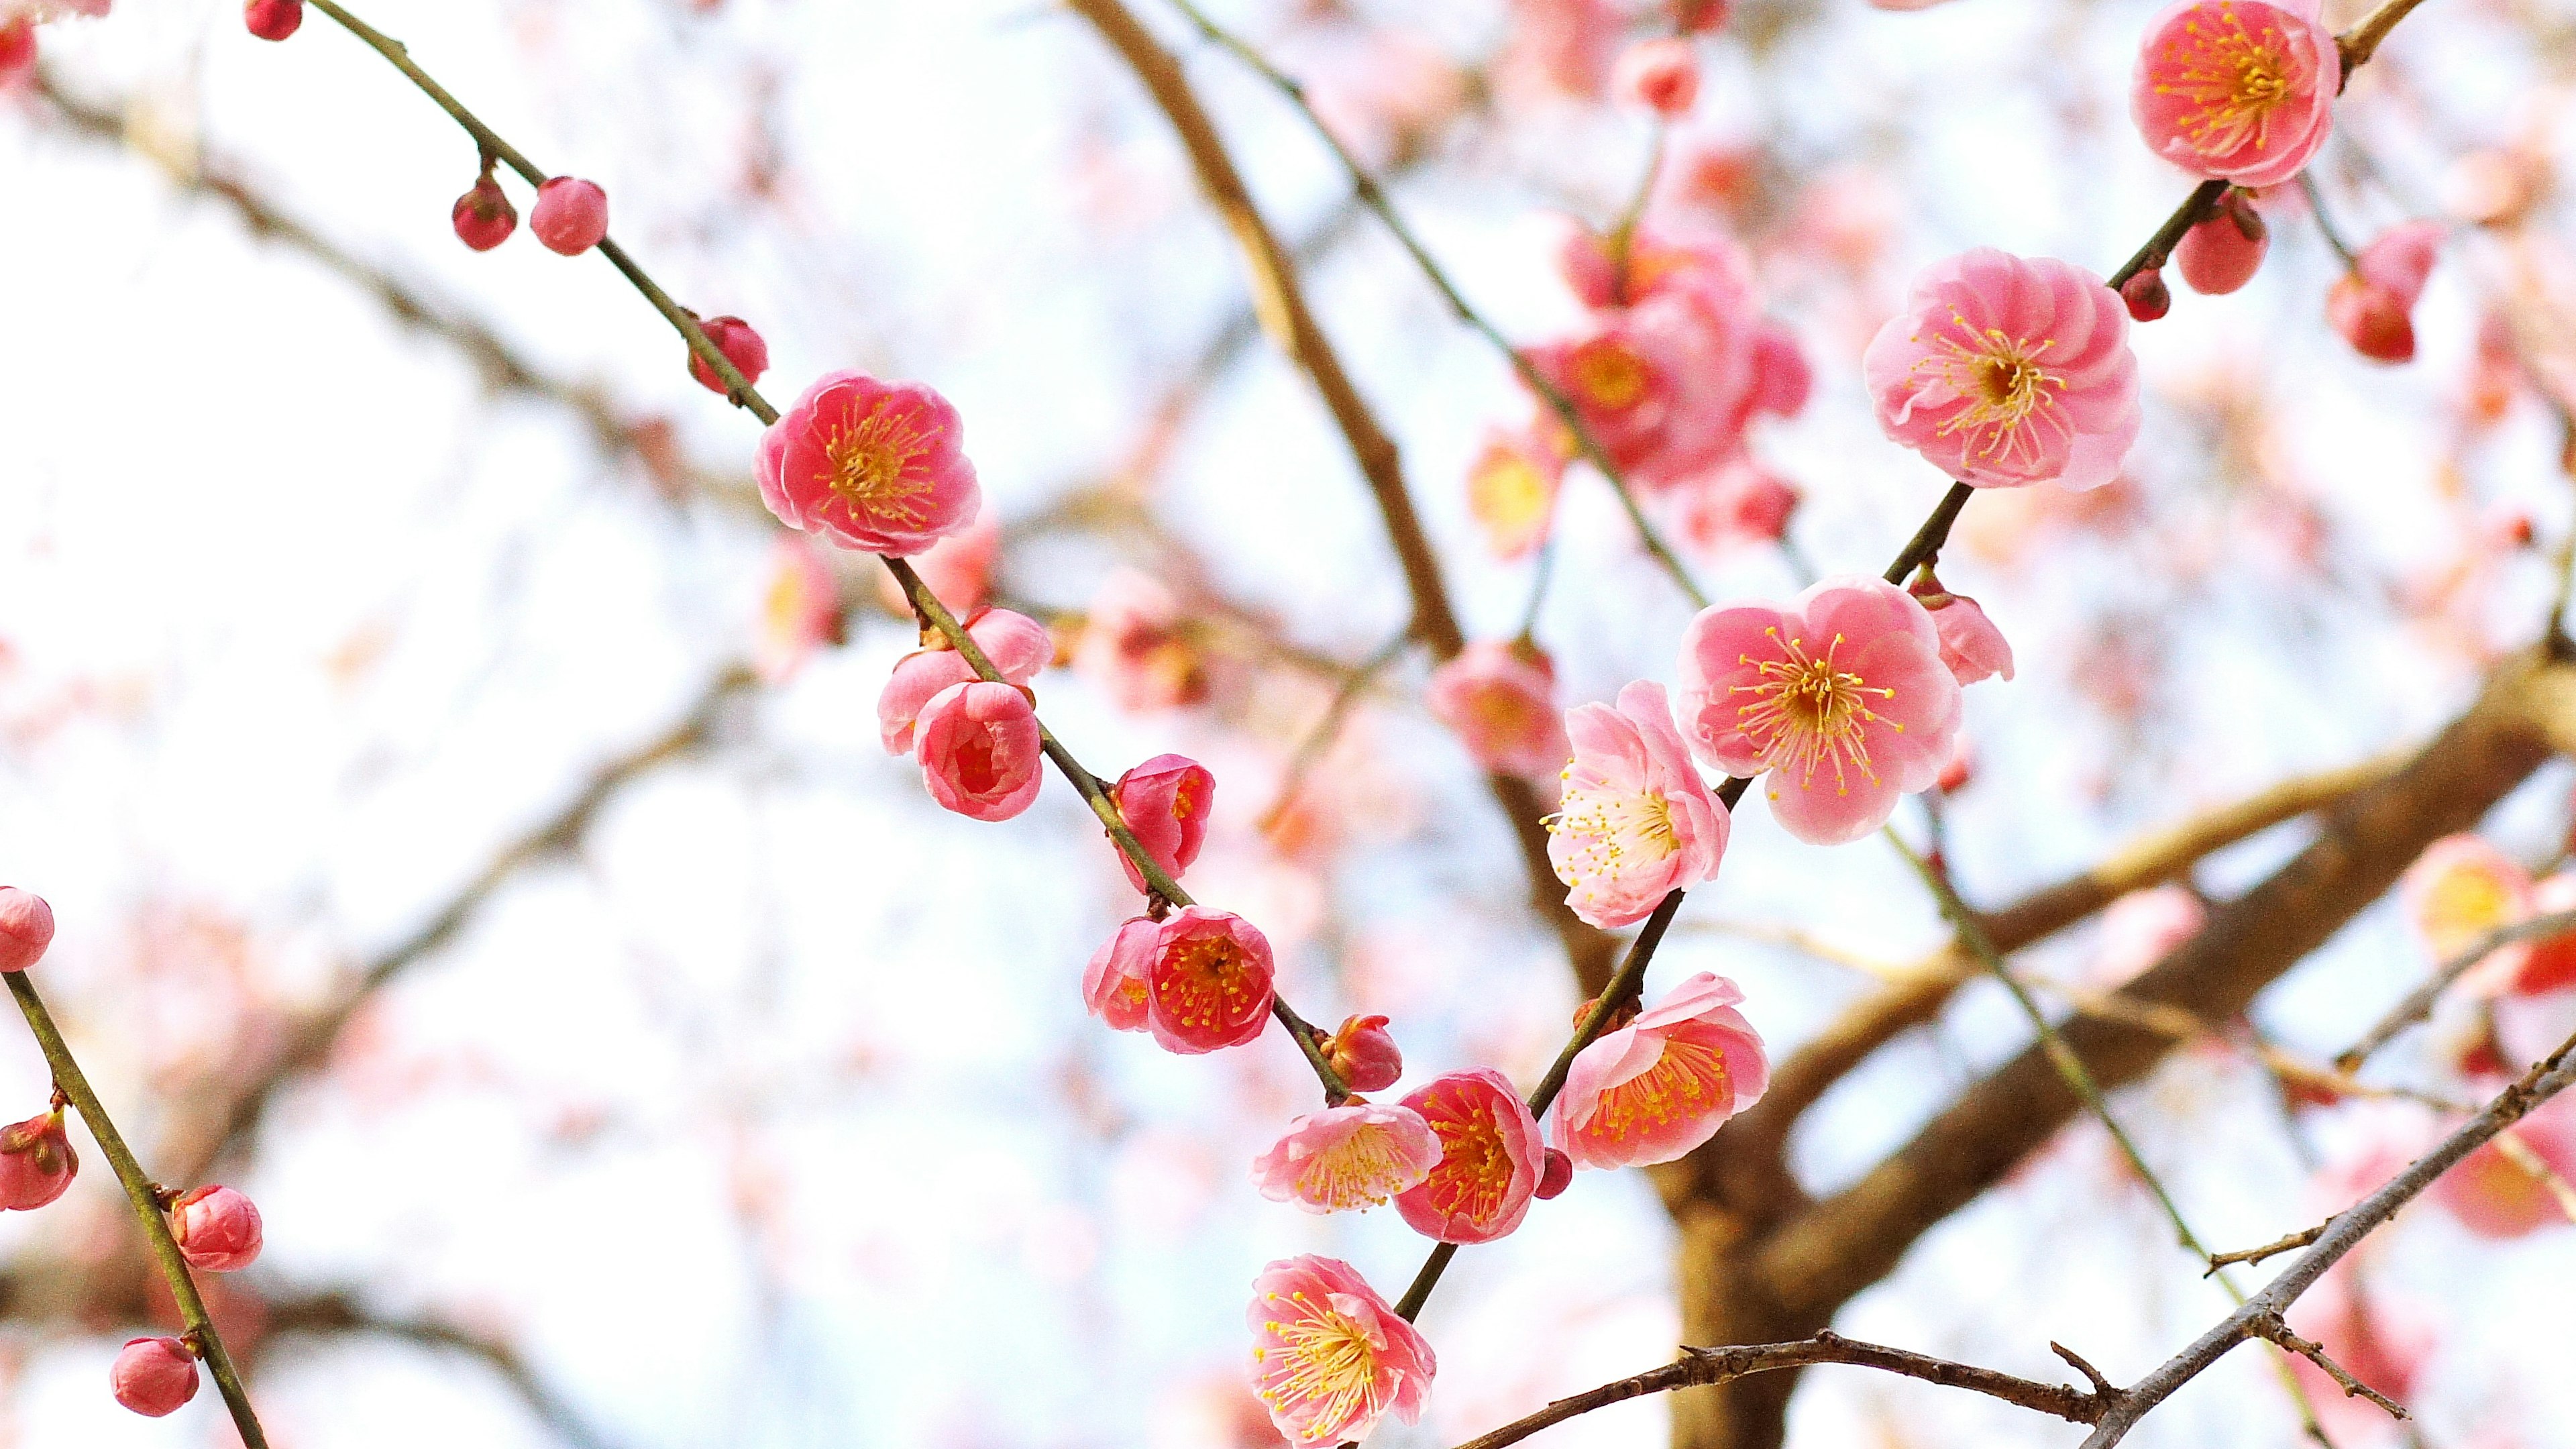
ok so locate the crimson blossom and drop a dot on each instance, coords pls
(874, 466)
(1018, 646)
(981, 749)
(1209, 984)
(2236, 90)
(1165, 802)
(1663, 1084)
(1329, 1357)
(1490, 1159)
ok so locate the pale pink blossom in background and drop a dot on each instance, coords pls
(37, 12)
(2236, 90)
(1329, 1357)
(1511, 490)
(37, 1163)
(153, 1376)
(1563, 46)
(2460, 889)
(1018, 645)
(26, 928)
(2142, 928)
(2385, 1347)
(1662, 75)
(2373, 304)
(216, 1228)
(1132, 645)
(1741, 504)
(1664, 1083)
(1664, 386)
(2549, 964)
(1660, 259)
(1634, 821)
(2005, 371)
(800, 612)
(1359, 1155)
(1364, 1054)
(1782, 380)
(958, 569)
(1165, 802)
(1500, 699)
(1490, 1159)
(1971, 645)
(1113, 985)
(1209, 984)
(873, 466)
(1840, 700)
(2495, 1195)
(980, 750)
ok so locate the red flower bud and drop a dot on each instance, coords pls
(484, 217)
(26, 928)
(2223, 252)
(1556, 1170)
(571, 215)
(1365, 1055)
(217, 1229)
(36, 1162)
(741, 346)
(273, 20)
(2146, 296)
(154, 1376)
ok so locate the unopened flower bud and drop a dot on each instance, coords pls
(26, 928)
(2223, 252)
(571, 215)
(217, 1229)
(742, 347)
(484, 217)
(1556, 1170)
(36, 1162)
(1365, 1055)
(2147, 296)
(154, 1376)
(273, 19)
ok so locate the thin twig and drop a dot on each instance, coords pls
(2417, 1004)
(2293, 1242)
(2272, 1327)
(1329, 727)
(2360, 43)
(2325, 222)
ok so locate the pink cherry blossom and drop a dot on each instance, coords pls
(1658, 260)
(1490, 1159)
(2222, 253)
(1511, 491)
(1661, 75)
(1329, 1357)
(800, 612)
(2550, 963)
(1209, 984)
(1970, 643)
(1364, 1054)
(873, 466)
(1018, 645)
(571, 215)
(745, 348)
(1134, 645)
(1740, 504)
(2236, 90)
(1666, 383)
(1664, 1083)
(1358, 1155)
(1113, 985)
(2493, 1191)
(483, 217)
(26, 928)
(2373, 305)
(1634, 822)
(1842, 697)
(958, 569)
(2462, 888)
(273, 19)
(17, 52)
(216, 1228)
(1782, 380)
(1165, 802)
(153, 1376)
(980, 750)
(2142, 928)
(37, 1163)
(2005, 371)
(1501, 700)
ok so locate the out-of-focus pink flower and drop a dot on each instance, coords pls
(273, 19)
(1970, 643)
(874, 466)
(1359, 1155)
(1661, 75)
(1657, 261)
(1561, 45)
(2223, 252)
(745, 348)
(37, 1163)
(1501, 701)
(2005, 371)
(26, 928)
(2494, 1192)
(1664, 1083)
(1329, 1357)
(1781, 378)
(1364, 1054)
(1664, 379)
(1741, 503)
(1490, 1159)
(1113, 985)
(1133, 645)
(17, 51)
(2462, 888)
(483, 216)
(2373, 304)
(1209, 985)
(2142, 928)
(958, 569)
(2386, 1348)
(1511, 491)
(1018, 645)
(980, 750)
(2236, 90)
(571, 215)
(153, 1376)
(2550, 963)
(1634, 822)
(1841, 696)
(1961, 772)
(216, 1228)
(1165, 802)
(800, 612)
(37, 12)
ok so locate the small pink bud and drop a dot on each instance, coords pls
(17, 51)
(217, 1229)
(1165, 802)
(1555, 1171)
(2372, 318)
(571, 215)
(269, 20)
(36, 1163)
(742, 347)
(484, 217)
(2223, 252)
(2147, 296)
(1364, 1054)
(154, 1376)
(26, 928)
(1661, 75)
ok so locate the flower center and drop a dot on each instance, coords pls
(1354, 1172)
(1806, 711)
(1205, 984)
(1475, 1169)
(2003, 388)
(1687, 1081)
(2233, 77)
(1613, 829)
(873, 470)
(1331, 1374)
(1610, 375)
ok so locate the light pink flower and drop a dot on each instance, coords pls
(1357, 1155)
(1660, 260)
(873, 466)
(1364, 1054)
(1165, 802)
(1666, 384)
(800, 612)
(2462, 888)
(1490, 1159)
(1664, 1083)
(1742, 503)
(1018, 645)
(980, 749)
(1329, 1357)
(571, 215)
(2142, 928)
(37, 1163)
(1970, 643)
(1511, 491)
(1133, 644)
(1841, 696)
(1634, 821)
(2373, 305)
(1501, 701)
(745, 348)
(1782, 380)
(216, 1228)
(2005, 371)
(153, 1376)
(958, 569)
(26, 928)
(2495, 1194)
(1560, 45)
(1661, 75)
(2236, 90)
(1209, 985)
(1113, 985)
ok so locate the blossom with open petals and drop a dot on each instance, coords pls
(1165, 802)
(1209, 984)
(2005, 371)
(1490, 1159)
(1018, 645)
(1329, 1357)
(874, 466)
(1511, 490)
(1501, 700)
(2236, 90)
(1634, 821)
(1113, 985)
(2494, 1191)
(980, 749)
(2142, 928)
(1839, 698)
(1665, 385)
(2459, 890)
(1664, 1083)
(1134, 642)
(1357, 1155)
(800, 611)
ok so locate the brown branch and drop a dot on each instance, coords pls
(2271, 1326)
(330, 1315)
(2274, 1249)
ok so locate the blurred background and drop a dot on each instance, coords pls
(465, 844)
